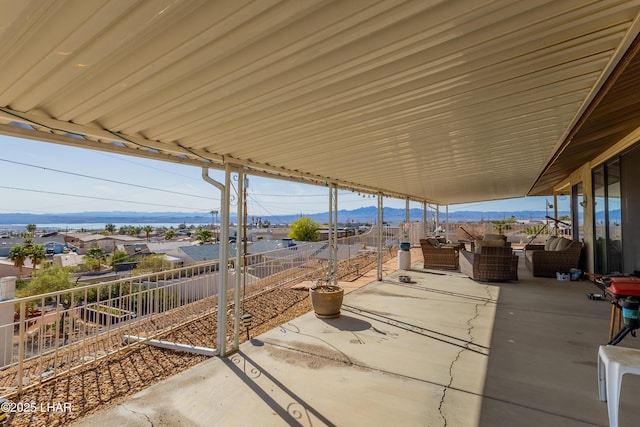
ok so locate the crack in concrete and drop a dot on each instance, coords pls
(455, 360)
(139, 413)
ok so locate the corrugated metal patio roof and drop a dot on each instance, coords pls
(442, 101)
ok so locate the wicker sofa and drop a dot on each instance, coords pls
(439, 256)
(493, 264)
(558, 254)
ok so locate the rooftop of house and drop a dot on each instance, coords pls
(92, 237)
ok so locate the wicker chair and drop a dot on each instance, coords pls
(493, 264)
(439, 257)
(546, 262)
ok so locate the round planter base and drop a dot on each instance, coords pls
(328, 316)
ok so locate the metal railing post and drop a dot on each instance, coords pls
(21, 343)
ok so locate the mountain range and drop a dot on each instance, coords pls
(361, 215)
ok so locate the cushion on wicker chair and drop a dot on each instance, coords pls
(546, 263)
(479, 244)
(549, 242)
(432, 241)
(561, 244)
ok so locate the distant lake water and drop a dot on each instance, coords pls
(91, 226)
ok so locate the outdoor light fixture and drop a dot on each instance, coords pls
(246, 322)
(584, 203)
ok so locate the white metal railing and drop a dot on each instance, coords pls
(54, 333)
(60, 331)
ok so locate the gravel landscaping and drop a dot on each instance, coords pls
(98, 385)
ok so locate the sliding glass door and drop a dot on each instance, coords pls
(607, 218)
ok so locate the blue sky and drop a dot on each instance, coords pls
(40, 177)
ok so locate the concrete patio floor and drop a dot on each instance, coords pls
(442, 350)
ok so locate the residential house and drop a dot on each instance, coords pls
(85, 241)
(193, 254)
(52, 244)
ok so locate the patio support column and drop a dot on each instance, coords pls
(437, 219)
(380, 225)
(407, 216)
(223, 263)
(240, 267)
(446, 222)
(406, 210)
(333, 235)
(425, 207)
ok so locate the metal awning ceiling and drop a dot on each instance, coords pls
(445, 101)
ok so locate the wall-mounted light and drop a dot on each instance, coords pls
(584, 202)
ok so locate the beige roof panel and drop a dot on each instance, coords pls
(445, 101)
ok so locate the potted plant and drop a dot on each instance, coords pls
(326, 299)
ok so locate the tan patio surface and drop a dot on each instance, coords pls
(442, 350)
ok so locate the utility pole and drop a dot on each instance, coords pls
(214, 214)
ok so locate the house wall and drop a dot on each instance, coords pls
(631, 202)
(583, 175)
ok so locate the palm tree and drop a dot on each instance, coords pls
(37, 255)
(28, 243)
(147, 231)
(18, 255)
(110, 228)
(31, 228)
(95, 257)
(118, 256)
(131, 230)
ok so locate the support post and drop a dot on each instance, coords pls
(333, 235)
(407, 216)
(240, 258)
(224, 266)
(425, 228)
(406, 210)
(223, 263)
(22, 338)
(446, 227)
(380, 227)
(555, 213)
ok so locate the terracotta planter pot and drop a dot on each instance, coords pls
(326, 301)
